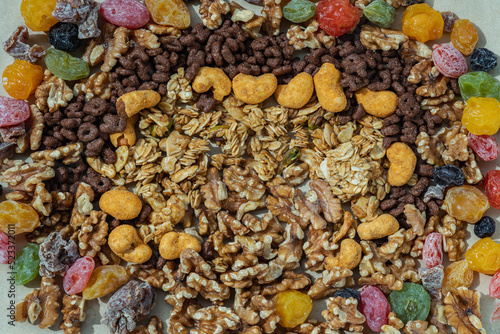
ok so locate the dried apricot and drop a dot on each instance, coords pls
(16, 217)
(169, 12)
(457, 274)
(21, 78)
(37, 14)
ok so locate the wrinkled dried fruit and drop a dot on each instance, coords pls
(412, 302)
(448, 60)
(479, 84)
(432, 253)
(169, 12)
(482, 115)
(466, 203)
(104, 280)
(27, 264)
(380, 13)
(492, 187)
(298, 11)
(432, 280)
(464, 36)
(485, 227)
(13, 111)
(496, 314)
(457, 274)
(293, 307)
(337, 17)
(64, 36)
(78, 275)
(130, 14)
(422, 23)
(348, 293)
(37, 14)
(448, 176)
(374, 307)
(486, 147)
(57, 255)
(16, 218)
(484, 256)
(65, 66)
(21, 78)
(482, 59)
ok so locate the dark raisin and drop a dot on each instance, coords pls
(482, 59)
(348, 293)
(64, 36)
(448, 176)
(485, 227)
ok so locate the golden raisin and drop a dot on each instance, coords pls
(422, 23)
(457, 274)
(466, 203)
(37, 14)
(293, 307)
(482, 116)
(464, 36)
(104, 279)
(21, 78)
(169, 12)
(16, 218)
(484, 256)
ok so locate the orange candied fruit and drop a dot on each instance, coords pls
(37, 14)
(293, 307)
(21, 78)
(422, 22)
(169, 12)
(464, 36)
(466, 203)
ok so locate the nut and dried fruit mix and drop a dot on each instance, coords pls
(158, 161)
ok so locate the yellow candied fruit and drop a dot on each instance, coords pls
(482, 116)
(37, 14)
(466, 203)
(422, 22)
(484, 256)
(16, 218)
(293, 307)
(464, 36)
(104, 279)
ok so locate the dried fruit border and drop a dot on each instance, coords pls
(366, 119)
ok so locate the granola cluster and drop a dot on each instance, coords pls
(234, 202)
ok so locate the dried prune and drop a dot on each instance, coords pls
(448, 176)
(348, 293)
(64, 36)
(482, 59)
(485, 227)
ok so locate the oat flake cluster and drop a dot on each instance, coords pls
(169, 168)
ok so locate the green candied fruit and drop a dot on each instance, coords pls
(65, 66)
(298, 11)
(478, 84)
(412, 302)
(380, 13)
(27, 264)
